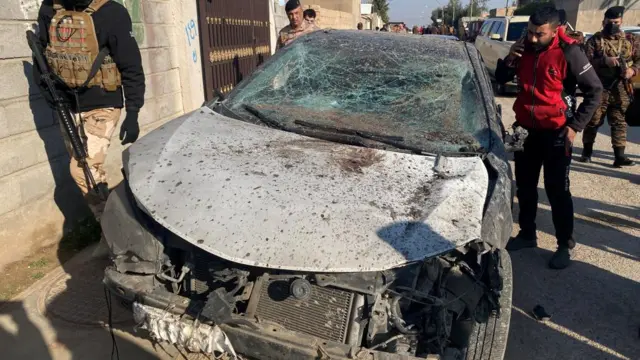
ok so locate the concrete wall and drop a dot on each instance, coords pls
(38, 199)
(587, 15)
(334, 19)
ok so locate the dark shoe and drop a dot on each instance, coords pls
(521, 241)
(561, 259)
(586, 153)
(620, 159)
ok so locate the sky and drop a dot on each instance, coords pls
(418, 12)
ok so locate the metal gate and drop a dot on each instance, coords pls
(235, 40)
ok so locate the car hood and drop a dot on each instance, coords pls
(269, 198)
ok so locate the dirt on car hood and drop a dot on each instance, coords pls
(264, 197)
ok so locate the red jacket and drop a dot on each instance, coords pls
(547, 81)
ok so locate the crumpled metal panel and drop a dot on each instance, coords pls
(274, 199)
(193, 336)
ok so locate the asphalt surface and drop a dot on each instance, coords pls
(595, 303)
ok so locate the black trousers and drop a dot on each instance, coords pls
(545, 148)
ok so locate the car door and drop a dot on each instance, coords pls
(482, 38)
(494, 43)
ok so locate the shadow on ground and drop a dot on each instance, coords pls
(594, 311)
(67, 317)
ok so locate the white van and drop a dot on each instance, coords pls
(496, 37)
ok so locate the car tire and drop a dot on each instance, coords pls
(488, 341)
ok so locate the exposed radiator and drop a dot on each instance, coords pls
(324, 314)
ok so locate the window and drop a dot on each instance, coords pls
(498, 29)
(516, 30)
(485, 28)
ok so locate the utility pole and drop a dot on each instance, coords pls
(506, 9)
(471, 8)
(453, 17)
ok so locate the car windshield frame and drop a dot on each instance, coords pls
(469, 131)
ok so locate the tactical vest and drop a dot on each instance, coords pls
(73, 49)
(620, 47)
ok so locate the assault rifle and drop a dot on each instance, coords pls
(64, 116)
(628, 85)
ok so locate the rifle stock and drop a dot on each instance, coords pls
(64, 115)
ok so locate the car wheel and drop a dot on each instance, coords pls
(488, 341)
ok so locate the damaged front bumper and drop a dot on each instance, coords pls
(163, 315)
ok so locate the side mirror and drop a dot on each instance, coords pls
(496, 37)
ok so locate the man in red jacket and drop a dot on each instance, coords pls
(548, 70)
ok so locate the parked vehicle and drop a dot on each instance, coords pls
(495, 39)
(464, 26)
(349, 199)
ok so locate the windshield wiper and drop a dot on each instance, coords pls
(395, 141)
(264, 118)
(348, 131)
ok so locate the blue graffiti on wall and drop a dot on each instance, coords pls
(192, 33)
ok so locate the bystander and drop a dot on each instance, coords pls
(545, 66)
(310, 16)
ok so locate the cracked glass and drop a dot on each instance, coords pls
(420, 89)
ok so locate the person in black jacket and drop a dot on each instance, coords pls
(548, 71)
(77, 34)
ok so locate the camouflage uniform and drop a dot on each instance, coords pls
(288, 34)
(98, 126)
(577, 36)
(615, 99)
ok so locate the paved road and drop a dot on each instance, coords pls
(595, 303)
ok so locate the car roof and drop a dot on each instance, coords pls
(517, 18)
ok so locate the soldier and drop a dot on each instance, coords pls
(615, 60)
(104, 30)
(297, 26)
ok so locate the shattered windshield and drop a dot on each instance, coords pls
(419, 91)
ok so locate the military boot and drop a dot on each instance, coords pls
(620, 159)
(586, 153)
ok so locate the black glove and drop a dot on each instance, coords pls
(129, 130)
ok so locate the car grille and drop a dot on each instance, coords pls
(325, 314)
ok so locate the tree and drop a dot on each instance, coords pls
(381, 7)
(478, 7)
(530, 8)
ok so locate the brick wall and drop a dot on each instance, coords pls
(38, 200)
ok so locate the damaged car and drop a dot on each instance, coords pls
(351, 199)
